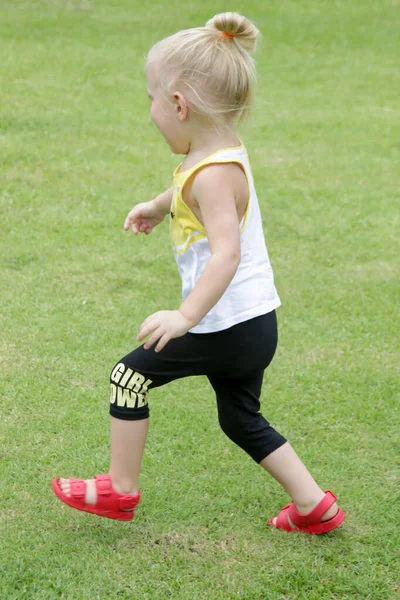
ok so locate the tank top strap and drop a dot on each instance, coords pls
(226, 155)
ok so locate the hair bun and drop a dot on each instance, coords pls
(237, 26)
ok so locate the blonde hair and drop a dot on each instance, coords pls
(212, 64)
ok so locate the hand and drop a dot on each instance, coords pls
(164, 325)
(143, 218)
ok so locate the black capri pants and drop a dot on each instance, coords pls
(234, 361)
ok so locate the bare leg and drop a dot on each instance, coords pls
(128, 439)
(286, 467)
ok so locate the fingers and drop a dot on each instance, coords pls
(133, 221)
(128, 222)
(159, 334)
(137, 226)
(153, 338)
(145, 228)
(162, 342)
(157, 329)
(148, 325)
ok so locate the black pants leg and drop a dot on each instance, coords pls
(234, 361)
(238, 403)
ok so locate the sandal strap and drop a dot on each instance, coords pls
(314, 516)
(78, 488)
(105, 493)
(128, 502)
(108, 497)
(103, 485)
(282, 521)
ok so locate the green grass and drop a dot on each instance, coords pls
(77, 151)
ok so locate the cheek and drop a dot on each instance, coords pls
(156, 116)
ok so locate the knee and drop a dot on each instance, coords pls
(242, 426)
(128, 393)
(231, 425)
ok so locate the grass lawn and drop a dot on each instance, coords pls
(77, 151)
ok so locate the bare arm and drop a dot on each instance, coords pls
(214, 193)
(163, 201)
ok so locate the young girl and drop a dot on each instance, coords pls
(200, 82)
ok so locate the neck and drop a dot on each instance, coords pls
(206, 140)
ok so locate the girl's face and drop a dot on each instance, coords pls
(168, 115)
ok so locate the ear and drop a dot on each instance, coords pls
(181, 106)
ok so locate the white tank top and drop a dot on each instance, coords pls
(251, 292)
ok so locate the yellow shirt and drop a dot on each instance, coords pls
(251, 292)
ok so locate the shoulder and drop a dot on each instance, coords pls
(218, 177)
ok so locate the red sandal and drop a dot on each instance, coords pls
(109, 502)
(311, 522)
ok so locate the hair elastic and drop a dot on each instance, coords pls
(228, 35)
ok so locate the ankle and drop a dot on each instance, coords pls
(306, 506)
(125, 486)
(328, 514)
